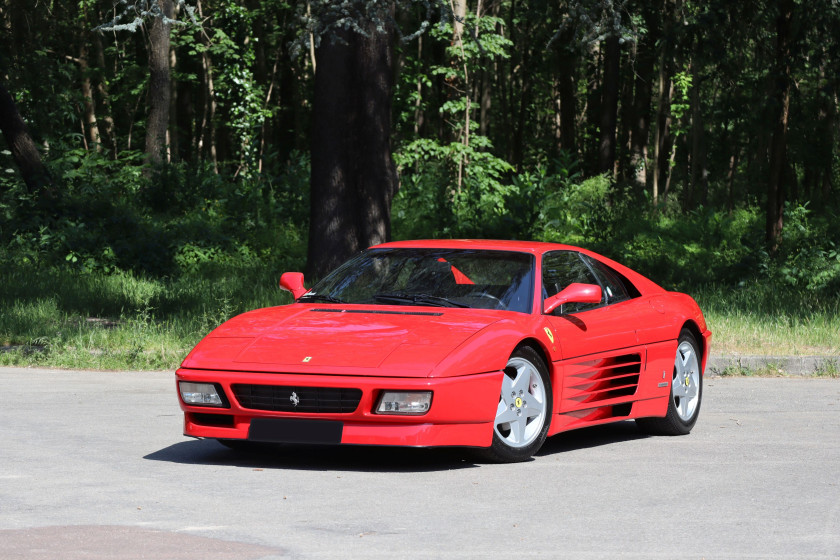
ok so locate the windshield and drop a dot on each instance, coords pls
(432, 277)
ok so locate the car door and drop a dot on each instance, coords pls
(601, 356)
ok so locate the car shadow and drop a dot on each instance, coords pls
(357, 458)
(360, 458)
(594, 436)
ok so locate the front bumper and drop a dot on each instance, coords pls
(461, 413)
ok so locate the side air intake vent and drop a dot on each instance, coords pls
(604, 379)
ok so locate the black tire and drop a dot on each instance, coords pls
(522, 436)
(684, 403)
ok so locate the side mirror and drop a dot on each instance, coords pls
(573, 293)
(293, 282)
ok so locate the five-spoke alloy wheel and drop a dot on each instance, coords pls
(524, 410)
(686, 392)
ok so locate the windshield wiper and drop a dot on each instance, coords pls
(320, 297)
(420, 299)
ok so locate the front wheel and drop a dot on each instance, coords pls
(686, 392)
(524, 409)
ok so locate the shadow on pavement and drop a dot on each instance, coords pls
(594, 436)
(373, 458)
(316, 457)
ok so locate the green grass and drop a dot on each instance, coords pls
(762, 320)
(121, 321)
(75, 320)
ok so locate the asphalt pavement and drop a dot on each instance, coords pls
(93, 465)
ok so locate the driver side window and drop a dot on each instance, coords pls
(561, 268)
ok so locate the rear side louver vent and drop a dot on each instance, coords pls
(595, 381)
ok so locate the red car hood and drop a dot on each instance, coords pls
(349, 340)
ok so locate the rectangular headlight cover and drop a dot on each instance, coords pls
(404, 402)
(200, 394)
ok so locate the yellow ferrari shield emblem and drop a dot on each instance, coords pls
(518, 402)
(550, 334)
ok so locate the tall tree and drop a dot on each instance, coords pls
(609, 104)
(778, 144)
(353, 178)
(24, 151)
(159, 83)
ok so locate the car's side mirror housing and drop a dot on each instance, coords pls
(573, 293)
(293, 282)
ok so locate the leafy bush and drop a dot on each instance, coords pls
(578, 213)
(184, 217)
(809, 255)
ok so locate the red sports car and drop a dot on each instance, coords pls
(487, 344)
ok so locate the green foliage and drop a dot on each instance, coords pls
(184, 218)
(809, 255)
(680, 249)
(577, 213)
(429, 202)
(461, 188)
(477, 145)
(238, 92)
(680, 104)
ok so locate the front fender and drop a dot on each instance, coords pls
(490, 348)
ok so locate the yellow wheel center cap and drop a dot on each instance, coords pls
(518, 402)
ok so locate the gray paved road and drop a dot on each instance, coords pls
(93, 466)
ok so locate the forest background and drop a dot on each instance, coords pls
(157, 174)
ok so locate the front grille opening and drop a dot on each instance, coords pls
(318, 400)
(205, 419)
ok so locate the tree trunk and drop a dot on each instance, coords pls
(828, 171)
(419, 114)
(108, 128)
(205, 138)
(173, 133)
(642, 93)
(665, 94)
(699, 175)
(353, 176)
(730, 180)
(287, 117)
(485, 100)
(663, 121)
(567, 100)
(623, 169)
(609, 105)
(826, 123)
(159, 86)
(91, 124)
(24, 152)
(460, 88)
(778, 143)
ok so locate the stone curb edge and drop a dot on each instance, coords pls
(783, 365)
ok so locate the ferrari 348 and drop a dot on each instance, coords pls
(487, 344)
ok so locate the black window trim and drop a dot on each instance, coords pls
(595, 274)
(601, 281)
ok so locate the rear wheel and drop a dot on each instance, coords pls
(524, 409)
(686, 392)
